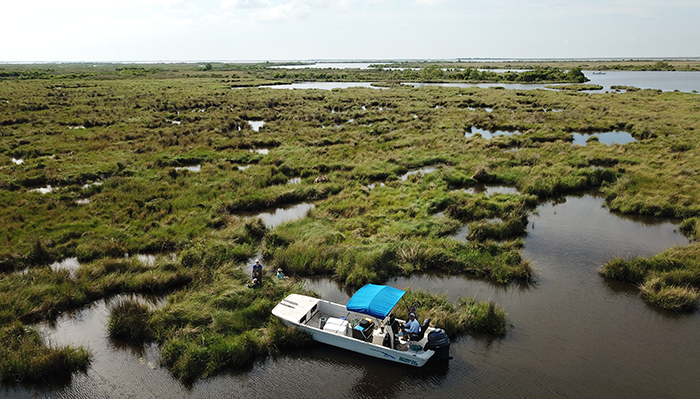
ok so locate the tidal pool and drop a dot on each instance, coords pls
(273, 218)
(608, 138)
(44, 190)
(324, 85)
(256, 125)
(488, 135)
(192, 168)
(423, 171)
(490, 190)
(70, 264)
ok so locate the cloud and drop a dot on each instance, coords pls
(428, 2)
(244, 4)
(378, 3)
(298, 9)
(292, 10)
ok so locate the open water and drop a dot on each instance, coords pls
(688, 82)
(573, 334)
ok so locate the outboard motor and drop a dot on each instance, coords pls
(439, 342)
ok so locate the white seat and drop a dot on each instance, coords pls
(336, 325)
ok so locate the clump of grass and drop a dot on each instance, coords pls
(679, 299)
(129, 320)
(669, 280)
(575, 87)
(629, 270)
(221, 323)
(25, 358)
(468, 316)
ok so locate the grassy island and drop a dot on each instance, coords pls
(101, 161)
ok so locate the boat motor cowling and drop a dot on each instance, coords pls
(439, 342)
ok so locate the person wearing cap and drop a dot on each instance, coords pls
(413, 310)
(280, 274)
(412, 326)
(257, 271)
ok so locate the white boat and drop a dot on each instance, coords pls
(365, 325)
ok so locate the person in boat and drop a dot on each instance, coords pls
(280, 274)
(412, 326)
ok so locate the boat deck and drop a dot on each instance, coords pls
(334, 324)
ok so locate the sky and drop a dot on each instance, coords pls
(278, 30)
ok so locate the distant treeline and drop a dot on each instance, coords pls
(432, 73)
(39, 74)
(658, 66)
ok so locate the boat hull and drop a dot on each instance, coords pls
(302, 312)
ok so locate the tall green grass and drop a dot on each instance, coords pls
(25, 358)
(467, 316)
(669, 280)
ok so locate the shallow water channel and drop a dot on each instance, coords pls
(573, 334)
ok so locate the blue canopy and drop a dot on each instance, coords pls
(375, 300)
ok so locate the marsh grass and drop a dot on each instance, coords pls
(223, 324)
(78, 125)
(669, 280)
(129, 321)
(25, 358)
(467, 316)
(675, 298)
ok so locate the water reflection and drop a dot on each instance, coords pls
(262, 151)
(44, 190)
(274, 218)
(324, 85)
(70, 264)
(685, 81)
(256, 125)
(490, 189)
(608, 138)
(193, 168)
(488, 135)
(331, 65)
(422, 171)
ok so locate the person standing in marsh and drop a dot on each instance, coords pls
(257, 273)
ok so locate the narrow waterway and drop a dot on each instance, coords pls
(573, 333)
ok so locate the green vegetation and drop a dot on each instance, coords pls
(575, 87)
(25, 358)
(669, 280)
(468, 316)
(111, 141)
